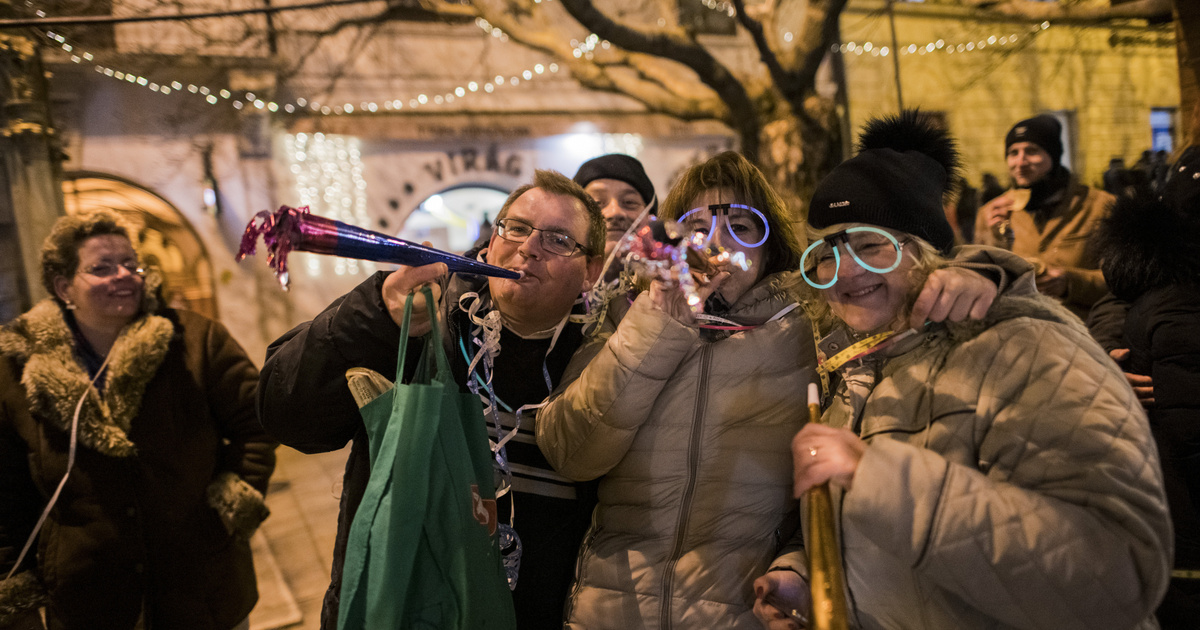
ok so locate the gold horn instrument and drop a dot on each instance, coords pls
(825, 573)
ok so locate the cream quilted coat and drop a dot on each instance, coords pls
(691, 434)
(1010, 482)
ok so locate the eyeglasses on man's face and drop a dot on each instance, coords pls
(108, 270)
(872, 248)
(555, 242)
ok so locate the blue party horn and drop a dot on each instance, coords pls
(289, 229)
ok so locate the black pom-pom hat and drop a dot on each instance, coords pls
(897, 180)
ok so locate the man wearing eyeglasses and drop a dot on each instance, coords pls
(508, 340)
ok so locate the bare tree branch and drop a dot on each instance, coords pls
(337, 27)
(666, 73)
(820, 30)
(696, 96)
(791, 89)
(628, 80)
(676, 47)
(441, 7)
(655, 83)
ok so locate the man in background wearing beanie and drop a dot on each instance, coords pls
(1052, 228)
(619, 184)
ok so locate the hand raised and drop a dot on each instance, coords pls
(953, 293)
(781, 588)
(405, 280)
(670, 299)
(1052, 281)
(998, 210)
(1142, 385)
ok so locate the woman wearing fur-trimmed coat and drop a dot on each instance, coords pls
(151, 526)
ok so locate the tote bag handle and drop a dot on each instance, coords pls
(433, 344)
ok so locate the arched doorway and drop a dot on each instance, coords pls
(168, 242)
(452, 219)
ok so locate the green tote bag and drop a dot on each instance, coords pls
(422, 551)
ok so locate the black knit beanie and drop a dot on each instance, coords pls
(896, 181)
(1043, 130)
(622, 168)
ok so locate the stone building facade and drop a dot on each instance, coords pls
(379, 134)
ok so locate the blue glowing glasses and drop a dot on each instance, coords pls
(745, 224)
(872, 248)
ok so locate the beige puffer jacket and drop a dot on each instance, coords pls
(692, 436)
(1010, 482)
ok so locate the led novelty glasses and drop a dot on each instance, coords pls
(872, 248)
(746, 225)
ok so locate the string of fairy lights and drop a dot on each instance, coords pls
(247, 99)
(327, 176)
(581, 49)
(941, 45)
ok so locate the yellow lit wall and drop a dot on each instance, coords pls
(1107, 77)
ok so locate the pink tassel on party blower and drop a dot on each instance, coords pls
(298, 229)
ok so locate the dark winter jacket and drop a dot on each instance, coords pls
(1152, 259)
(305, 403)
(1106, 322)
(170, 461)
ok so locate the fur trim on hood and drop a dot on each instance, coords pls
(1145, 244)
(54, 381)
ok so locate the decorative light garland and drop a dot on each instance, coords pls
(580, 49)
(876, 50)
(241, 100)
(327, 172)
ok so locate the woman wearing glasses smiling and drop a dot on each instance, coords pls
(686, 419)
(987, 474)
(130, 429)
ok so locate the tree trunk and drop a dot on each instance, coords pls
(798, 150)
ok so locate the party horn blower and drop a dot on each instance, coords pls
(824, 554)
(298, 229)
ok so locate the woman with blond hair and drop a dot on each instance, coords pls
(687, 418)
(990, 474)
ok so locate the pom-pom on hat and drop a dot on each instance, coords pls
(622, 168)
(896, 181)
(1043, 130)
